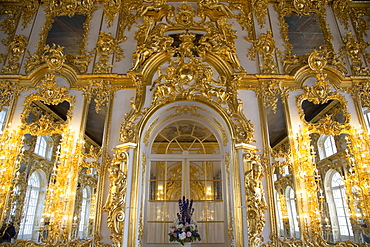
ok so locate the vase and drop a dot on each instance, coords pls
(187, 244)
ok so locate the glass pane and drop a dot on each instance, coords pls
(205, 180)
(165, 180)
(185, 136)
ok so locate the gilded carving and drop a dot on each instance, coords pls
(54, 57)
(304, 8)
(361, 25)
(62, 8)
(220, 42)
(271, 91)
(185, 17)
(70, 7)
(110, 8)
(362, 89)
(29, 10)
(260, 10)
(355, 50)
(156, 41)
(126, 18)
(49, 93)
(107, 45)
(9, 24)
(115, 204)
(244, 17)
(342, 10)
(265, 46)
(255, 198)
(216, 12)
(16, 48)
(8, 91)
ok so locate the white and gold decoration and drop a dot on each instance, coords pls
(112, 111)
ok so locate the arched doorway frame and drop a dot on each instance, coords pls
(188, 110)
(125, 215)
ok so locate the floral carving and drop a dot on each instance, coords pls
(115, 204)
(54, 57)
(110, 10)
(354, 50)
(8, 91)
(16, 48)
(255, 198)
(29, 10)
(106, 46)
(70, 7)
(265, 46)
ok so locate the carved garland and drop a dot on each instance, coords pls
(115, 204)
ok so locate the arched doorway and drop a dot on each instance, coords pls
(185, 160)
(185, 156)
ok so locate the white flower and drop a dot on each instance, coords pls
(182, 236)
(179, 226)
(192, 227)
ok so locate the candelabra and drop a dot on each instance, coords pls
(58, 208)
(358, 180)
(307, 186)
(11, 153)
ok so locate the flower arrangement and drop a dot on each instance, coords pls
(184, 229)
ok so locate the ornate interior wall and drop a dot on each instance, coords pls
(282, 87)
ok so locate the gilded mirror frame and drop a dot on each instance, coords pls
(310, 171)
(53, 10)
(303, 8)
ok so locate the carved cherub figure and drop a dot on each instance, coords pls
(156, 42)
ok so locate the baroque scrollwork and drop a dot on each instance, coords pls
(16, 48)
(342, 10)
(265, 46)
(355, 50)
(362, 89)
(70, 7)
(115, 204)
(8, 91)
(271, 91)
(64, 8)
(305, 8)
(49, 93)
(107, 45)
(110, 10)
(29, 10)
(255, 198)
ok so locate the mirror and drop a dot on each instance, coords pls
(34, 177)
(318, 192)
(52, 197)
(282, 174)
(304, 33)
(85, 209)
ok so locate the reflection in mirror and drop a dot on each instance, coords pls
(285, 198)
(3, 117)
(67, 32)
(332, 167)
(337, 172)
(34, 178)
(283, 178)
(83, 218)
(304, 33)
(58, 114)
(86, 192)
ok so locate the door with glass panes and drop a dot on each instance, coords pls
(185, 161)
